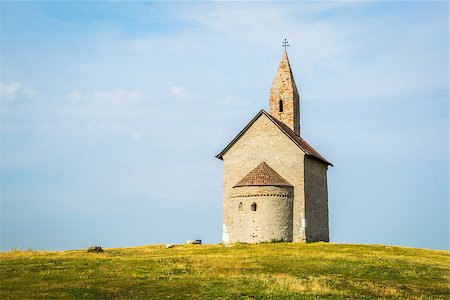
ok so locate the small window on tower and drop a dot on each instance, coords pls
(281, 105)
(240, 206)
(253, 206)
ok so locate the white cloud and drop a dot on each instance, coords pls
(333, 47)
(10, 89)
(15, 89)
(106, 96)
(103, 110)
(73, 96)
(136, 135)
(29, 92)
(233, 101)
(177, 90)
(138, 44)
(242, 24)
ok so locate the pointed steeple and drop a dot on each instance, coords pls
(284, 97)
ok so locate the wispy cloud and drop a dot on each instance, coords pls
(102, 104)
(9, 89)
(177, 90)
(14, 89)
(144, 95)
(107, 97)
(103, 112)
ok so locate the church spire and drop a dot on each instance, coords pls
(284, 97)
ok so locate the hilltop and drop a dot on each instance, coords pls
(279, 270)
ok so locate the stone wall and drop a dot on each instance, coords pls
(316, 200)
(261, 214)
(263, 141)
(284, 89)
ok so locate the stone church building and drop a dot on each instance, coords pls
(274, 182)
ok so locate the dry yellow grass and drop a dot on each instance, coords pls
(281, 270)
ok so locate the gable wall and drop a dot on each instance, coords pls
(263, 141)
(316, 200)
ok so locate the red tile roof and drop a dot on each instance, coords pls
(301, 143)
(263, 175)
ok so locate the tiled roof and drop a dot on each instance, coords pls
(301, 143)
(263, 175)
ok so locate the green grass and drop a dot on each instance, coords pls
(272, 270)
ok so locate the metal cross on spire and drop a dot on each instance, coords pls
(285, 44)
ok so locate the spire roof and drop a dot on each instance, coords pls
(263, 175)
(284, 99)
(284, 75)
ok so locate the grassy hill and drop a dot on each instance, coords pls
(281, 270)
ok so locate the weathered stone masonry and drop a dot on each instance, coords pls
(284, 99)
(274, 182)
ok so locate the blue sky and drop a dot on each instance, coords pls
(112, 113)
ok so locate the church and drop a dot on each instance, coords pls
(274, 182)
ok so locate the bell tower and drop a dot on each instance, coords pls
(284, 97)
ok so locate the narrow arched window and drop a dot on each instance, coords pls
(240, 206)
(281, 106)
(253, 206)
